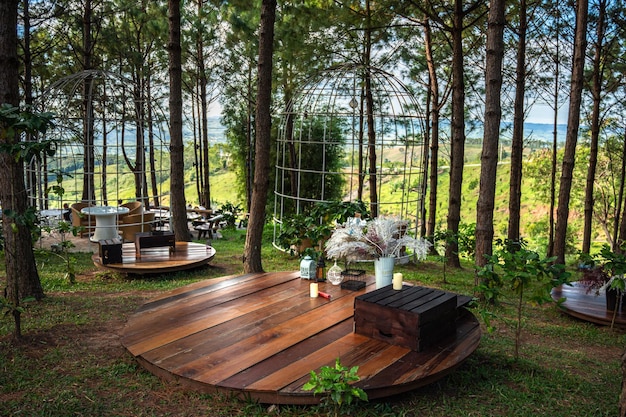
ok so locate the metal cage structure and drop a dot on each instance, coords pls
(351, 133)
(109, 148)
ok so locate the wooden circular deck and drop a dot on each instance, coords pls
(259, 336)
(587, 306)
(187, 255)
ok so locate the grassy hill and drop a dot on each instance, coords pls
(534, 210)
(224, 189)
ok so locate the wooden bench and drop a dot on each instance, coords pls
(207, 227)
(154, 240)
(204, 229)
(414, 317)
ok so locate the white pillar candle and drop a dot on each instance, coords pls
(314, 290)
(397, 281)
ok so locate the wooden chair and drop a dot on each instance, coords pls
(134, 207)
(82, 220)
(136, 223)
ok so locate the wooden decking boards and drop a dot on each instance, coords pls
(587, 306)
(260, 335)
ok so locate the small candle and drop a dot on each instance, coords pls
(397, 281)
(314, 290)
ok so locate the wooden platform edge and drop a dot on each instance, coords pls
(587, 307)
(159, 264)
(471, 340)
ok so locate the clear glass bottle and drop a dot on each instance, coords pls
(334, 274)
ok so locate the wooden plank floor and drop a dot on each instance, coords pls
(587, 306)
(260, 335)
(188, 255)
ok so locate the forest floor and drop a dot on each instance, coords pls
(70, 361)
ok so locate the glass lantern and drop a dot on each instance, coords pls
(334, 274)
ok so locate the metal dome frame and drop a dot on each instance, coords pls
(97, 171)
(389, 158)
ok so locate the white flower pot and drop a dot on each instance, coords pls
(383, 268)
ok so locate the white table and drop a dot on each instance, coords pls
(51, 217)
(58, 213)
(106, 224)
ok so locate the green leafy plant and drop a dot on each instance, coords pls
(230, 212)
(335, 383)
(518, 267)
(62, 248)
(314, 226)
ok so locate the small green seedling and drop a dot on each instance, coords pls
(335, 384)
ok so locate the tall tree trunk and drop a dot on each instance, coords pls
(573, 121)
(250, 145)
(553, 168)
(493, 115)
(89, 188)
(621, 214)
(369, 108)
(596, 93)
(177, 171)
(517, 142)
(619, 222)
(254, 237)
(195, 111)
(457, 143)
(27, 61)
(435, 108)
(21, 272)
(205, 197)
(104, 151)
(361, 145)
(291, 146)
(551, 218)
(425, 164)
(151, 164)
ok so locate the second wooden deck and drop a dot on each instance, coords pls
(159, 260)
(588, 306)
(260, 335)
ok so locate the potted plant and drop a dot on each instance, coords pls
(380, 239)
(294, 233)
(313, 227)
(606, 273)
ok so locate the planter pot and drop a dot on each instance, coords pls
(614, 301)
(383, 268)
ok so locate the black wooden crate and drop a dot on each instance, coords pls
(110, 251)
(414, 317)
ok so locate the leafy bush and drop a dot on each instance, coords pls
(230, 212)
(318, 223)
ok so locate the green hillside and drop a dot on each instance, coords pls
(224, 188)
(534, 210)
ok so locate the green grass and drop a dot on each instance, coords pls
(72, 363)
